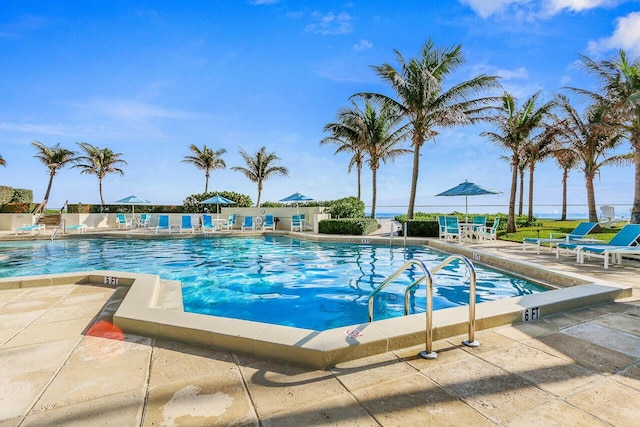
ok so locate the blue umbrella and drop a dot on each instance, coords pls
(296, 197)
(132, 200)
(218, 200)
(467, 189)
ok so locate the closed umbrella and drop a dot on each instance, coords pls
(132, 200)
(467, 189)
(296, 197)
(218, 200)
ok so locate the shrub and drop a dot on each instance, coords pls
(421, 227)
(349, 226)
(347, 207)
(6, 194)
(192, 203)
(16, 208)
(79, 208)
(22, 195)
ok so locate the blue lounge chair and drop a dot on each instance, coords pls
(452, 229)
(122, 221)
(207, 224)
(625, 242)
(163, 223)
(247, 224)
(578, 235)
(30, 228)
(268, 222)
(296, 223)
(231, 221)
(80, 228)
(187, 224)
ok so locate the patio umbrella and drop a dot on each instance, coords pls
(296, 197)
(218, 200)
(132, 200)
(467, 189)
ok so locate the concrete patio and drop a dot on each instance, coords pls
(63, 363)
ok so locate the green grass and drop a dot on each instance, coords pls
(557, 228)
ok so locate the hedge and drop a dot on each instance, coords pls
(348, 226)
(421, 228)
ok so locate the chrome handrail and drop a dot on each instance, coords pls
(62, 224)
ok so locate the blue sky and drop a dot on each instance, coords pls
(147, 79)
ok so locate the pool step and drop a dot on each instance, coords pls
(169, 295)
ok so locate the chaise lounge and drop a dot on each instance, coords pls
(578, 235)
(625, 242)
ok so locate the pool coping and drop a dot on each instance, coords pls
(153, 308)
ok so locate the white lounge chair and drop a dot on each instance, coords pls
(268, 222)
(163, 223)
(247, 224)
(188, 224)
(31, 228)
(624, 242)
(207, 224)
(79, 228)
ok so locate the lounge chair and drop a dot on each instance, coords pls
(187, 224)
(163, 223)
(122, 221)
(231, 221)
(578, 235)
(625, 242)
(145, 220)
(489, 233)
(247, 224)
(31, 228)
(609, 217)
(207, 224)
(268, 222)
(296, 223)
(80, 228)
(452, 229)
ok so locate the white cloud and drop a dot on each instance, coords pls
(556, 6)
(362, 45)
(263, 2)
(486, 8)
(533, 9)
(505, 74)
(131, 110)
(626, 36)
(330, 24)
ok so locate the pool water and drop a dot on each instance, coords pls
(271, 279)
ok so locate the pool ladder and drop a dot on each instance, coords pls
(428, 277)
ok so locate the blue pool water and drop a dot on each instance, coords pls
(271, 279)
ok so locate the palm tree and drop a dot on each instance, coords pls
(620, 86)
(515, 127)
(381, 136)
(567, 160)
(54, 158)
(423, 101)
(260, 167)
(537, 148)
(2, 161)
(349, 138)
(99, 162)
(591, 139)
(207, 160)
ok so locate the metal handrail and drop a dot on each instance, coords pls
(470, 342)
(62, 225)
(429, 353)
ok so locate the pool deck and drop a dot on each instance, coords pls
(62, 363)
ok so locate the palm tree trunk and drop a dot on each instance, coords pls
(259, 193)
(532, 167)
(521, 199)
(511, 218)
(374, 173)
(414, 179)
(565, 177)
(100, 189)
(46, 195)
(206, 183)
(359, 170)
(635, 210)
(591, 198)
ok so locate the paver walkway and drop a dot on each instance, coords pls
(62, 363)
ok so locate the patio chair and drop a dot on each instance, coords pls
(268, 222)
(452, 229)
(187, 224)
(207, 224)
(489, 233)
(247, 224)
(625, 242)
(231, 221)
(608, 218)
(296, 223)
(578, 235)
(163, 223)
(442, 226)
(145, 220)
(122, 221)
(479, 222)
(31, 228)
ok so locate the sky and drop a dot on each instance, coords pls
(149, 78)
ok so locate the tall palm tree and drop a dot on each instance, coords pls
(423, 101)
(207, 160)
(349, 138)
(537, 148)
(620, 85)
(514, 129)
(591, 139)
(99, 162)
(567, 160)
(260, 167)
(54, 158)
(2, 161)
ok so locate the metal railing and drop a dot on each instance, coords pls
(428, 277)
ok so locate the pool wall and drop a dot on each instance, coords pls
(153, 308)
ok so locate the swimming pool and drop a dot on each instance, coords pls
(269, 279)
